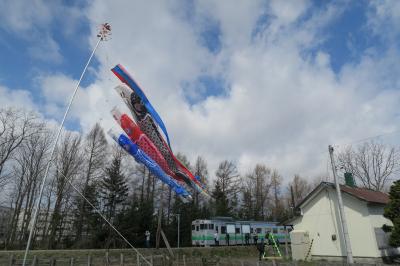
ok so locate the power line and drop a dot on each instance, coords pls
(369, 138)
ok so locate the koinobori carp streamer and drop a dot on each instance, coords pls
(141, 157)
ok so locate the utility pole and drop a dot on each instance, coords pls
(342, 215)
(160, 211)
(179, 220)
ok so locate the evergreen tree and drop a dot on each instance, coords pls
(114, 191)
(392, 212)
(85, 212)
(221, 204)
(114, 188)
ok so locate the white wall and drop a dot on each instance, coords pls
(321, 219)
(318, 220)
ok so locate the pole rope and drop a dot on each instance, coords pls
(106, 220)
(102, 36)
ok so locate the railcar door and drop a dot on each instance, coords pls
(246, 234)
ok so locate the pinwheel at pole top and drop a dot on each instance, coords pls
(145, 143)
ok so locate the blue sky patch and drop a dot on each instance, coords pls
(348, 37)
(203, 87)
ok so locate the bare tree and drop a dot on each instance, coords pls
(30, 160)
(95, 151)
(300, 188)
(16, 125)
(371, 163)
(200, 170)
(68, 164)
(225, 189)
(259, 182)
(227, 176)
(276, 181)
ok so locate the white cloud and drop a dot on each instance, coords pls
(16, 98)
(284, 105)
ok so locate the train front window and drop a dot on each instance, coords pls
(202, 226)
(193, 227)
(211, 226)
(197, 228)
(237, 230)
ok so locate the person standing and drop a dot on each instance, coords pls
(255, 238)
(261, 249)
(247, 238)
(227, 238)
(216, 238)
(147, 237)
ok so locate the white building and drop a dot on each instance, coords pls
(318, 215)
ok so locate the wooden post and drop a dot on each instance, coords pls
(167, 243)
(35, 261)
(121, 259)
(89, 260)
(71, 262)
(286, 244)
(11, 261)
(107, 259)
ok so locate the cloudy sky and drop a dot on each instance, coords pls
(270, 82)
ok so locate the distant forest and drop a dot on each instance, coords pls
(128, 195)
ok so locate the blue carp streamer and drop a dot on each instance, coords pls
(154, 168)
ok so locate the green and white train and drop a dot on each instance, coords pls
(203, 231)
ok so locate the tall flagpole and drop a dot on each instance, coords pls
(102, 35)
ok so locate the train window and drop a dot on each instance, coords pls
(193, 227)
(216, 228)
(258, 230)
(223, 229)
(197, 228)
(211, 226)
(275, 230)
(251, 230)
(237, 230)
(202, 226)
